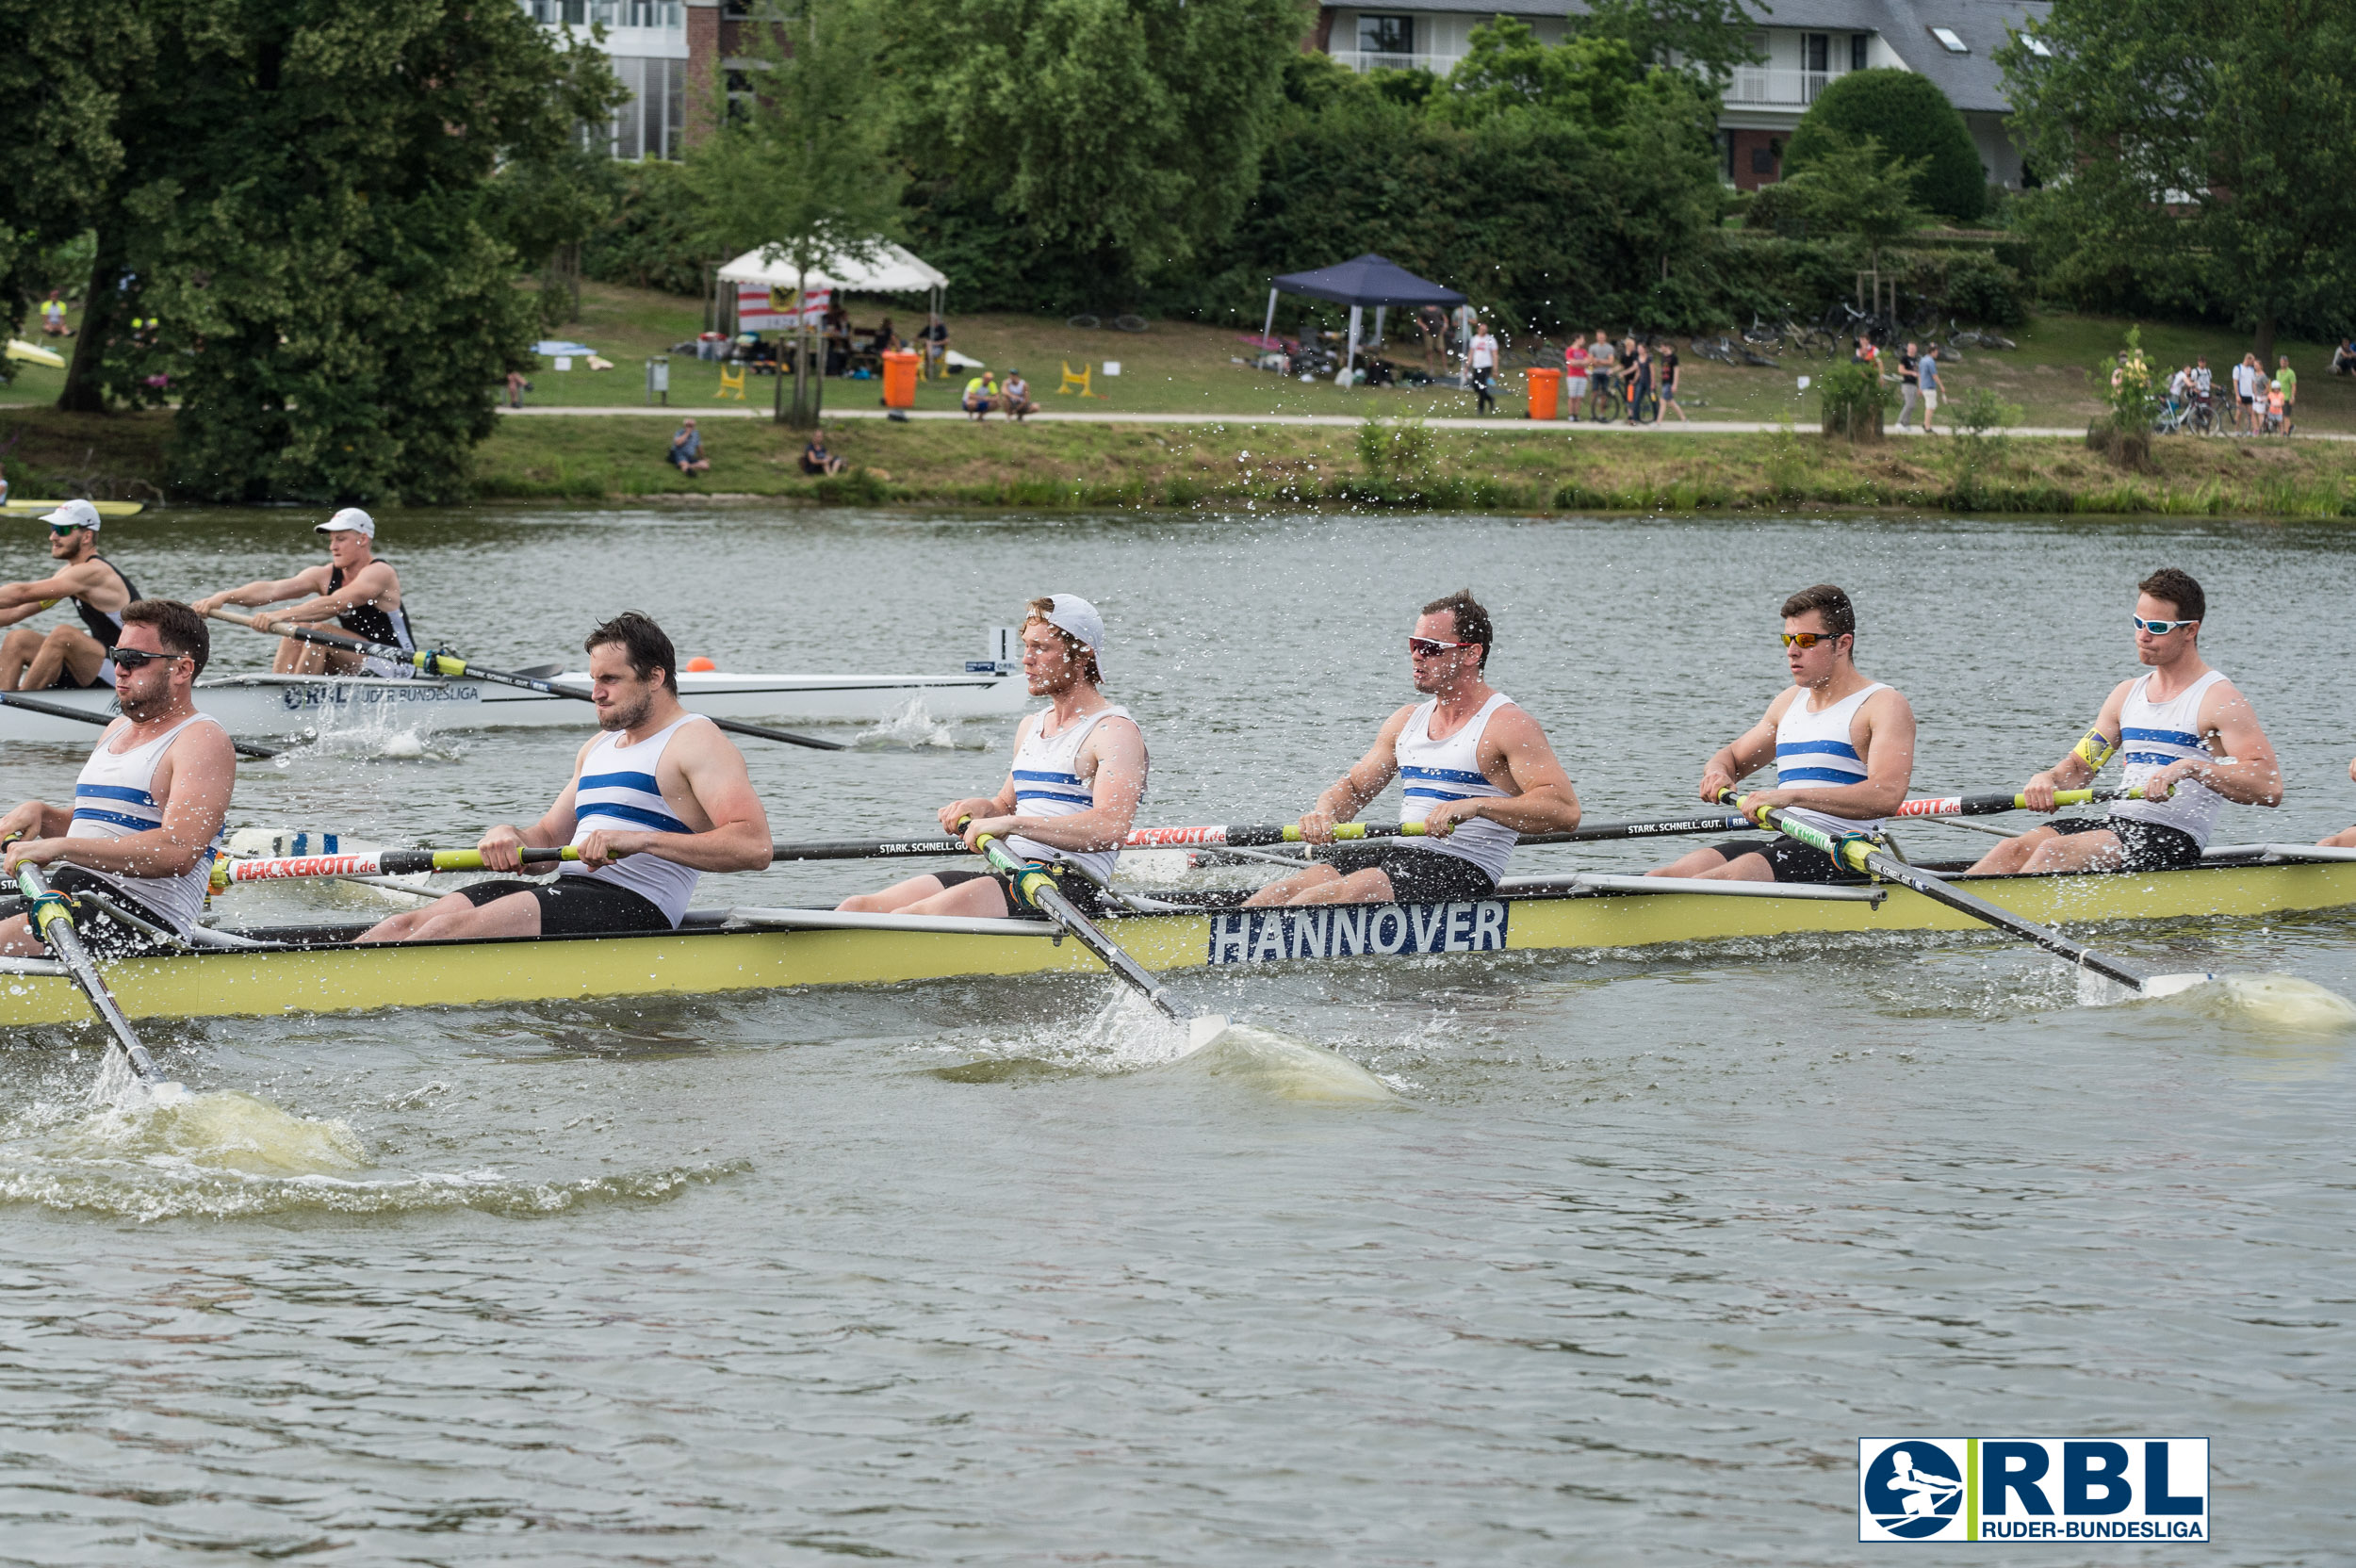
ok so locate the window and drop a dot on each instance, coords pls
(2036, 46)
(1386, 35)
(1857, 50)
(1815, 51)
(1763, 161)
(1949, 41)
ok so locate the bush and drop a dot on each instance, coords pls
(650, 241)
(1854, 401)
(1911, 118)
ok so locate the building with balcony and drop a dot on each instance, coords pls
(1806, 45)
(665, 51)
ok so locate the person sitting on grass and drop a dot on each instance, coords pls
(2344, 358)
(687, 449)
(1014, 398)
(816, 461)
(981, 396)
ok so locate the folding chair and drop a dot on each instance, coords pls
(1071, 379)
(731, 384)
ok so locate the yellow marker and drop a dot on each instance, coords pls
(2093, 750)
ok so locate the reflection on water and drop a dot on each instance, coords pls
(982, 1271)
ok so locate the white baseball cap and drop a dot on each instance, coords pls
(350, 520)
(1070, 613)
(73, 513)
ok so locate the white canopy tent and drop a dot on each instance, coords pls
(891, 270)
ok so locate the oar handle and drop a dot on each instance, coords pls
(382, 862)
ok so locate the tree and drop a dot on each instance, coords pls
(1911, 118)
(1851, 185)
(1128, 131)
(292, 240)
(805, 174)
(1707, 38)
(2195, 154)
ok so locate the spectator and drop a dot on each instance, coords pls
(1639, 387)
(1432, 322)
(816, 461)
(1481, 360)
(2203, 380)
(2276, 421)
(886, 339)
(1909, 382)
(1926, 376)
(1599, 372)
(2286, 382)
(934, 342)
(2247, 393)
(1015, 397)
(517, 388)
(687, 449)
(2344, 358)
(53, 316)
(1575, 375)
(1671, 372)
(980, 396)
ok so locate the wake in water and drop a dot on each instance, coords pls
(914, 728)
(2283, 1002)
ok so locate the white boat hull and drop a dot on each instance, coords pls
(267, 705)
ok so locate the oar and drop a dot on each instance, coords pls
(53, 922)
(1859, 851)
(380, 863)
(450, 666)
(1037, 890)
(1994, 801)
(60, 711)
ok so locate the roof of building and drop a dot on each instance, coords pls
(1970, 80)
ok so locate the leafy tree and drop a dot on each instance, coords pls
(1851, 185)
(1506, 70)
(545, 207)
(293, 234)
(2206, 153)
(1911, 118)
(1127, 131)
(1707, 38)
(804, 176)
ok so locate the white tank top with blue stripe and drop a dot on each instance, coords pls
(1432, 771)
(619, 791)
(1047, 785)
(112, 800)
(1815, 748)
(2153, 734)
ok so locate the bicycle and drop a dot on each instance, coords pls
(1605, 385)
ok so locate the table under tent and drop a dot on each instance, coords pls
(1360, 282)
(753, 295)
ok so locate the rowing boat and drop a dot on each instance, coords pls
(310, 969)
(290, 704)
(105, 509)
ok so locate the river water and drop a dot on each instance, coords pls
(951, 1273)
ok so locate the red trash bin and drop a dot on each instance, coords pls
(1546, 393)
(899, 367)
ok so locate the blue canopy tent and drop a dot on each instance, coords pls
(1360, 282)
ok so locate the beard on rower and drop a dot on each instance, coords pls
(624, 698)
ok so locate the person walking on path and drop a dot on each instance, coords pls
(2286, 382)
(1670, 373)
(1926, 377)
(1909, 383)
(1481, 359)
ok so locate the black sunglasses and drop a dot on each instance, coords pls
(132, 659)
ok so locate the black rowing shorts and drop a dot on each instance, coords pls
(1790, 861)
(105, 938)
(578, 906)
(1083, 893)
(1418, 875)
(2146, 845)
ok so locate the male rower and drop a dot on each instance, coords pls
(1078, 777)
(656, 799)
(353, 588)
(2192, 743)
(2346, 837)
(66, 656)
(148, 806)
(1842, 745)
(1475, 769)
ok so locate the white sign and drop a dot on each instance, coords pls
(1112, 367)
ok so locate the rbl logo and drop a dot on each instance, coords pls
(2033, 1489)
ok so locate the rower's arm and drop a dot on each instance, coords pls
(1543, 801)
(371, 582)
(27, 598)
(1746, 753)
(1119, 787)
(1367, 778)
(2245, 769)
(713, 770)
(263, 591)
(2080, 764)
(204, 767)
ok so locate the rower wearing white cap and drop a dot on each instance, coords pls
(67, 654)
(353, 589)
(1073, 790)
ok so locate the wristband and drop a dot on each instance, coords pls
(2093, 750)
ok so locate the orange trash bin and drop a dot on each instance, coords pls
(899, 367)
(1546, 393)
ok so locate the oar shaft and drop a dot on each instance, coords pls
(382, 863)
(60, 711)
(1035, 887)
(1993, 802)
(54, 923)
(450, 666)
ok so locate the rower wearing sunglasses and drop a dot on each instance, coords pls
(2189, 741)
(1843, 746)
(1475, 770)
(148, 807)
(67, 654)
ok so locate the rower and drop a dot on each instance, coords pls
(2192, 744)
(1475, 769)
(1072, 794)
(1842, 745)
(658, 798)
(66, 656)
(353, 588)
(147, 810)
(2346, 837)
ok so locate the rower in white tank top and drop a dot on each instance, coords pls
(620, 790)
(1046, 785)
(1816, 749)
(113, 799)
(1432, 771)
(2153, 734)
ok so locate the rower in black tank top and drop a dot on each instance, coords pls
(368, 620)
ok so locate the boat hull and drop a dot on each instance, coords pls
(266, 705)
(339, 978)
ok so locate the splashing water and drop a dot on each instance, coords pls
(2274, 1000)
(1286, 1068)
(914, 728)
